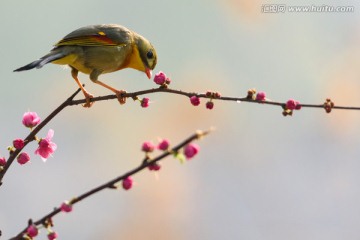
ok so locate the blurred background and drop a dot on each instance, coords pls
(258, 176)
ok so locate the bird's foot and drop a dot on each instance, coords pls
(88, 97)
(121, 99)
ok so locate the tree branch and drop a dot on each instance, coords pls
(203, 95)
(32, 134)
(71, 102)
(112, 183)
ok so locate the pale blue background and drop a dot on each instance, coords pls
(258, 176)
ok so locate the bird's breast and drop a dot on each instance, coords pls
(134, 60)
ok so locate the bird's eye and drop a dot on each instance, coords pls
(150, 54)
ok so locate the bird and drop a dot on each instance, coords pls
(100, 49)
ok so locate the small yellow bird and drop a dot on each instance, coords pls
(98, 49)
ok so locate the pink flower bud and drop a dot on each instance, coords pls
(209, 105)
(163, 145)
(148, 146)
(127, 183)
(66, 207)
(160, 78)
(32, 231)
(23, 158)
(261, 96)
(2, 161)
(145, 102)
(291, 104)
(18, 143)
(195, 100)
(191, 150)
(52, 236)
(30, 119)
(168, 81)
(154, 167)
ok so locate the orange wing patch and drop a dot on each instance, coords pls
(92, 40)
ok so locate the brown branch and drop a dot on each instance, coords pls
(31, 136)
(202, 95)
(110, 184)
(134, 95)
(328, 105)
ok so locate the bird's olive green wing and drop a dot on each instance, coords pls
(97, 35)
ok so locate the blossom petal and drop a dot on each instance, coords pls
(50, 134)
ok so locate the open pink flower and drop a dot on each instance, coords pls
(46, 146)
(30, 119)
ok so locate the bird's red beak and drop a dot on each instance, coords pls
(148, 72)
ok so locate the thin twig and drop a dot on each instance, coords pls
(110, 184)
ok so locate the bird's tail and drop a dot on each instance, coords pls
(52, 56)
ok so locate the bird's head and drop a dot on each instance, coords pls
(147, 54)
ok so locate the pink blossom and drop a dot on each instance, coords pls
(163, 145)
(52, 236)
(2, 161)
(261, 96)
(23, 158)
(191, 150)
(195, 100)
(127, 183)
(30, 119)
(154, 167)
(160, 78)
(32, 231)
(145, 102)
(291, 104)
(46, 147)
(18, 143)
(148, 146)
(209, 105)
(66, 207)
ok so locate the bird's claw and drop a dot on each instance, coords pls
(88, 97)
(121, 99)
